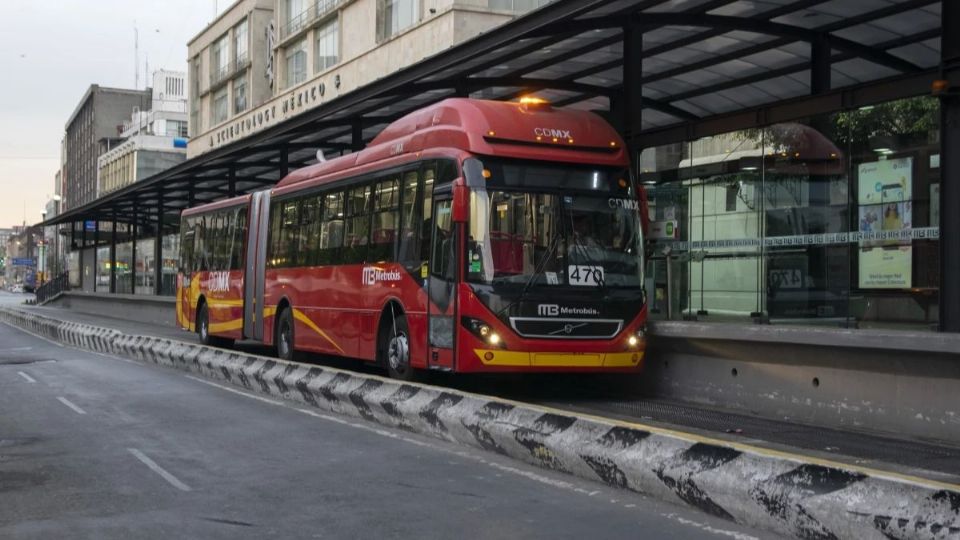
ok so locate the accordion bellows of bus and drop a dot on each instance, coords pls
(469, 236)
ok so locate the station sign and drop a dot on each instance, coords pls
(23, 262)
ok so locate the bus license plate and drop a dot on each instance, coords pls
(585, 276)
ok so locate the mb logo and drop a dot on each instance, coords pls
(369, 276)
(548, 310)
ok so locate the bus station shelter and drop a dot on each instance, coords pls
(759, 127)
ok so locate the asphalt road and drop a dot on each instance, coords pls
(101, 447)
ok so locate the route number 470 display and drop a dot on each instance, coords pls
(585, 276)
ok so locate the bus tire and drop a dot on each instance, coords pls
(284, 338)
(203, 329)
(395, 348)
(203, 326)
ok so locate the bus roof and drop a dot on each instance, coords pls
(242, 200)
(528, 129)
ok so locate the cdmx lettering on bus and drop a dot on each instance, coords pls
(550, 132)
(218, 282)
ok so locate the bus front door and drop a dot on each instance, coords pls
(442, 286)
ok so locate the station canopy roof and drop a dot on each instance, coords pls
(699, 58)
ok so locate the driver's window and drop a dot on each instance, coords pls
(441, 260)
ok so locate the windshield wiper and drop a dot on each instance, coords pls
(537, 270)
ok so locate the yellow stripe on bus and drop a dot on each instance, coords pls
(270, 311)
(500, 357)
(302, 317)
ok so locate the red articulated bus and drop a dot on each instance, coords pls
(469, 236)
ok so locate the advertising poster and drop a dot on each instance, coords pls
(885, 189)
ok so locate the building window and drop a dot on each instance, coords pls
(297, 63)
(241, 43)
(220, 109)
(176, 128)
(297, 16)
(219, 59)
(239, 95)
(328, 46)
(395, 16)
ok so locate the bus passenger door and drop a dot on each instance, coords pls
(442, 286)
(185, 275)
(255, 264)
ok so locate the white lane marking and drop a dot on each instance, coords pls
(173, 480)
(707, 528)
(238, 392)
(27, 377)
(66, 402)
(16, 349)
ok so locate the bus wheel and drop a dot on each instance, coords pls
(395, 344)
(284, 337)
(203, 326)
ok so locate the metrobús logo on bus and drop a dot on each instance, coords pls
(550, 132)
(372, 275)
(218, 282)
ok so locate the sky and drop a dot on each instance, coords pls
(51, 52)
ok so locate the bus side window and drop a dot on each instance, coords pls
(289, 233)
(239, 235)
(441, 260)
(216, 242)
(187, 245)
(385, 207)
(409, 244)
(331, 228)
(309, 217)
(357, 234)
(426, 219)
(202, 240)
(273, 247)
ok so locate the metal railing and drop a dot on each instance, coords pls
(219, 75)
(317, 9)
(52, 288)
(242, 61)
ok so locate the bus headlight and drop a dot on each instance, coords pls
(482, 330)
(633, 341)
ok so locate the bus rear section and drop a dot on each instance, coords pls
(211, 275)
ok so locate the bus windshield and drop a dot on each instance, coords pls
(574, 237)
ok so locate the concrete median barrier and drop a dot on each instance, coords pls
(785, 493)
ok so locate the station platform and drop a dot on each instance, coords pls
(623, 399)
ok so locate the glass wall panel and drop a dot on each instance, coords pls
(73, 268)
(102, 282)
(124, 268)
(171, 255)
(828, 220)
(145, 267)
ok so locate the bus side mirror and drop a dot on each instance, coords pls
(461, 203)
